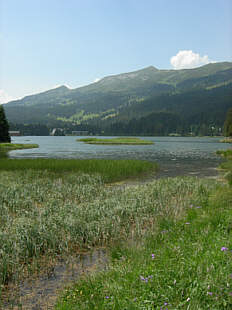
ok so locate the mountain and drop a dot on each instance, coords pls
(194, 97)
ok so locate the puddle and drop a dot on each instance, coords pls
(42, 293)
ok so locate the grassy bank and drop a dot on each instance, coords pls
(5, 147)
(110, 170)
(117, 141)
(227, 165)
(50, 208)
(45, 215)
(183, 261)
(178, 257)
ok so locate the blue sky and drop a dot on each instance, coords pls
(46, 43)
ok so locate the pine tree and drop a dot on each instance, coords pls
(228, 124)
(4, 127)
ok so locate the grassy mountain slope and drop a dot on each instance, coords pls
(186, 93)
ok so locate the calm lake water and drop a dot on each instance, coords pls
(175, 155)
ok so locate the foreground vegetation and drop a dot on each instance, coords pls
(121, 140)
(169, 241)
(16, 146)
(227, 165)
(183, 262)
(179, 258)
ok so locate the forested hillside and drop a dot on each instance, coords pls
(148, 101)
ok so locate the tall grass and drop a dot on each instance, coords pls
(110, 170)
(16, 146)
(183, 261)
(227, 165)
(43, 214)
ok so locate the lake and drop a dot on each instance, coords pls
(176, 156)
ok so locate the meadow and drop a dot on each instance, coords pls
(169, 241)
(51, 207)
(178, 257)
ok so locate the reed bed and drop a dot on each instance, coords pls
(182, 258)
(16, 146)
(110, 170)
(45, 214)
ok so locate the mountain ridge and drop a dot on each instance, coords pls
(103, 103)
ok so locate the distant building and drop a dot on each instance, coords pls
(80, 133)
(57, 132)
(14, 133)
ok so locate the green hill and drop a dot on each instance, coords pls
(194, 96)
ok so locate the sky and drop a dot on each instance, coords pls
(47, 43)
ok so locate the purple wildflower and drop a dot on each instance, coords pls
(187, 223)
(107, 297)
(209, 293)
(164, 231)
(152, 256)
(223, 249)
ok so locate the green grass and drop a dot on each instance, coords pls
(110, 170)
(43, 214)
(116, 141)
(51, 207)
(16, 146)
(182, 261)
(227, 165)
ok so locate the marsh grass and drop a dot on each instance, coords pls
(227, 165)
(43, 214)
(16, 146)
(184, 261)
(110, 170)
(117, 141)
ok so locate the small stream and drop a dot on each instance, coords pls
(41, 293)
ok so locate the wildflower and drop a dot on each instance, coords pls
(152, 256)
(187, 223)
(223, 249)
(188, 299)
(107, 297)
(142, 278)
(209, 293)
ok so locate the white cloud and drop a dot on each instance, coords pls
(188, 59)
(4, 97)
(96, 80)
(59, 85)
